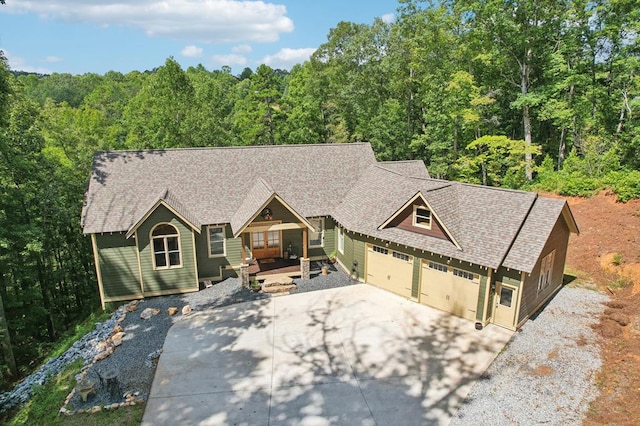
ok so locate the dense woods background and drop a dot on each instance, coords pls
(522, 94)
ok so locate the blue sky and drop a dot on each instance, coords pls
(80, 36)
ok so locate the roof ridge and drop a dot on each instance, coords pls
(238, 147)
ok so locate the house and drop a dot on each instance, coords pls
(164, 221)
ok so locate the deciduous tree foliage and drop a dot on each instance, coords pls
(509, 93)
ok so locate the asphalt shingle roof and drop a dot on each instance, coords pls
(535, 231)
(229, 185)
(213, 183)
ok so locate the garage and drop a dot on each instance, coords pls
(449, 289)
(390, 270)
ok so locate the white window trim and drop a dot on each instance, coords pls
(164, 237)
(422, 225)
(224, 241)
(321, 219)
(340, 241)
(546, 271)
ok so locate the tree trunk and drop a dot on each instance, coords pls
(7, 350)
(526, 116)
(563, 147)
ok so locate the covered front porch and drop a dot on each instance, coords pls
(266, 253)
(262, 268)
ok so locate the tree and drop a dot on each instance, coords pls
(518, 38)
(157, 116)
(495, 161)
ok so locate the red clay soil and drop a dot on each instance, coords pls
(607, 254)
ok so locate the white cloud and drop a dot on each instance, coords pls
(388, 18)
(287, 58)
(191, 51)
(242, 48)
(18, 63)
(231, 59)
(227, 21)
(53, 59)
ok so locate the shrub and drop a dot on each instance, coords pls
(625, 184)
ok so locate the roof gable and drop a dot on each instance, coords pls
(258, 197)
(169, 200)
(416, 200)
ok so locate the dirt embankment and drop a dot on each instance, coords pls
(607, 254)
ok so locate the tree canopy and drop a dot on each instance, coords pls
(521, 94)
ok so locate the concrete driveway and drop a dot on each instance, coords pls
(354, 355)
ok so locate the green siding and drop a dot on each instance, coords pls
(509, 277)
(118, 266)
(167, 280)
(329, 244)
(415, 285)
(210, 267)
(482, 291)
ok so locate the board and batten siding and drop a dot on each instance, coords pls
(531, 300)
(118, 267)
(167, 281)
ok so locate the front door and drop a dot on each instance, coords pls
(265, 244)
(505, 311)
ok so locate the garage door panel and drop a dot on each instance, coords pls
(447, 292)
(391, 273)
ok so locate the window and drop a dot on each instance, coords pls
(216, 241)
(257, 240)
(273, 239)
(165, 241)
(463, 274)
(316, 238)
(438, 266)
(340, 240)
(401, 256)
(546, 267)
(380, 250)
(422, 217)
(506, 297)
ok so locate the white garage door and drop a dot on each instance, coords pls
(390, 270)
(449, 289)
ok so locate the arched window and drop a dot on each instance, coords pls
(166, 247)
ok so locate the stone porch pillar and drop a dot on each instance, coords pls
(244, 274)
(305, 268)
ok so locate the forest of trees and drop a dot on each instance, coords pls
(523, 94)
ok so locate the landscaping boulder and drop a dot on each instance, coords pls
(149, 312)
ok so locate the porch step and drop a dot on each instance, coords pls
(279, 288)
(278, 284)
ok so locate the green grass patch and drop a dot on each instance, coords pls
(621, 282)
(45, 404)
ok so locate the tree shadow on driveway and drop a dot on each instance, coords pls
(355, 355)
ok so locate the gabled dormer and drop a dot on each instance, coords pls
(418, 216)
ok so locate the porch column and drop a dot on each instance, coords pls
(305, 242)
(244, 275)
(305, 267)
(243, 260)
